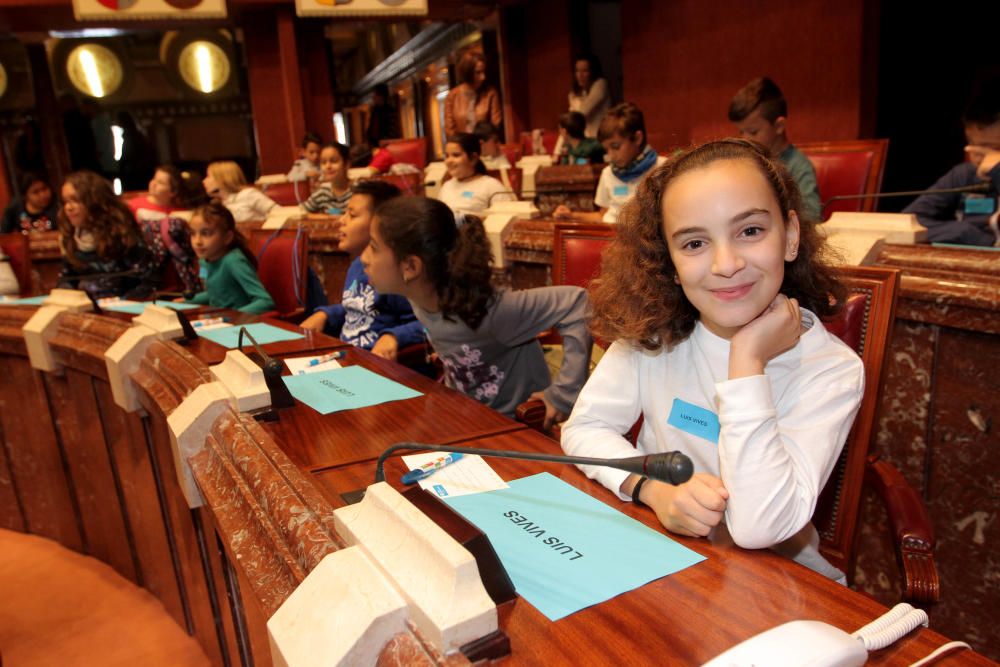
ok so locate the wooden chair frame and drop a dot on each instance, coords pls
(873, 181)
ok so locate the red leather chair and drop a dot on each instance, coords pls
(289, 193)
(282, 264)
(408, 151)
(847, 168)
(513, 152)
(549, 139)
(15, 246)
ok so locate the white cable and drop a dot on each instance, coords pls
(939, 652)
(891, 627)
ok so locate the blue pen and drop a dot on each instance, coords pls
(207, 321)
(427, 469)
(326, 357)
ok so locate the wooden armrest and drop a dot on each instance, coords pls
(911, 527)
(532, 413)
(294, 316)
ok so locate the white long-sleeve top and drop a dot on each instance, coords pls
(779, 433)
(249, 204)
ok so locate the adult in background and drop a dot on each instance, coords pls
(589, 93)
(472, 100)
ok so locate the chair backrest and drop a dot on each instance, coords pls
(847, 168)
(288, 193)
(15, 246)
(549, 139)
(408, 151)
(513, 152)
(865, 325)
(576, 251)
(282, 264)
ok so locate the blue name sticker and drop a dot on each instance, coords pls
(621, 191)
(979, 205)
(694, 420)
(440, 490)
(467, 194)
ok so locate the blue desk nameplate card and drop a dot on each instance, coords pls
(345, 389)
(263, 333)
(565, 550)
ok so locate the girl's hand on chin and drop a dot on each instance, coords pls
(772, 332)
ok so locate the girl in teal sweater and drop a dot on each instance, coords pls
(229, 268)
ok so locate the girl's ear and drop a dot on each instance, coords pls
(792, 236)
(411, 267)
(230, 236)
(779, 125)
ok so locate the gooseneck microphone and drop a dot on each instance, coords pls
(979, 187)
(670, 467)
(280, 396)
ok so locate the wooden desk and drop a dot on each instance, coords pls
(685, 618)
(440, 416)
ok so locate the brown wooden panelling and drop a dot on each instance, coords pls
(34, 455)
(130, 453)
(11, 514)
(97, 494)
(233, 628)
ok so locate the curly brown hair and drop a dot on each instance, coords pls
(108, 219)
(457, 260)
(636, 297)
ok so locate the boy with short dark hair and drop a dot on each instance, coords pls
(760, 113)
(579, 149)
(382, 323)
(623, 135)
(966, 218)
(490, 151)
(307, 164)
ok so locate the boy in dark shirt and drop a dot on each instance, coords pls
(971, 219)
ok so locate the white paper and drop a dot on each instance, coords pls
(209, 327)
(470, 474)
(300, 365)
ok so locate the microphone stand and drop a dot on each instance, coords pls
(980, 187)
(670, 467)
(280, 396)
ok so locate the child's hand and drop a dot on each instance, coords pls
(553, 415)
(180, 299)
(562, 212)
(988, 158)
(692, 508)
(315, 322)
(386, 347)
(766, 336)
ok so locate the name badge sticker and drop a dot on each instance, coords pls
(467, 194)
(694, 420)
(980, 205)
(621, 191)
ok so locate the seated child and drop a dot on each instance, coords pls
(577, 148)
(99, 238)
(34, 210)
(334, 188)
(378, 160)
(469, 189)
(623, 135)
(307, 164)
(952, 217)
(490, 151)
(230, 269)
(8, 279)
(719, 344)
(382, 323)
(486, 339)
(226, 182)
(760, 113)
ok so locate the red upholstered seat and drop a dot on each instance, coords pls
(408, 151)
(513, 152)
(289, 193)
(15, 246)
(847, 168)
(282, 264)
(549, 139)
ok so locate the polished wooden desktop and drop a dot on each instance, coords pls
(101, 481)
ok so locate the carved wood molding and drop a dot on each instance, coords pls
(12, 318)
(82, 339)
(167, 374)
(276, 525)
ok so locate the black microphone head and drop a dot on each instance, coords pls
(670, 467)
(188, 295)
(273, 367)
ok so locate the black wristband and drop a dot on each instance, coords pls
(636, 489)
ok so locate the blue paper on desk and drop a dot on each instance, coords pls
(565, 550)
(138, 308)
(262, 333)
(345, 389)
(26, 301)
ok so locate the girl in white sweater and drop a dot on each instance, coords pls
(713, 292)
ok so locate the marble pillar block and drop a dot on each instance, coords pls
(122, 359)
(162, 320)
(436, 575)
(189, 425)
(38, 331)
(244, 379)
(343, 613)
(73, 300)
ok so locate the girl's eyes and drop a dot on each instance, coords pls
(694, 244)
(753, 231)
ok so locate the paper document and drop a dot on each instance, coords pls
(470, 474)
(345, 389)
(228, 336)
(300, 365)
(564, 549)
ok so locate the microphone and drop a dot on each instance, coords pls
(670, 467)
(280, 396)
(489, 202)
(979, 187)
